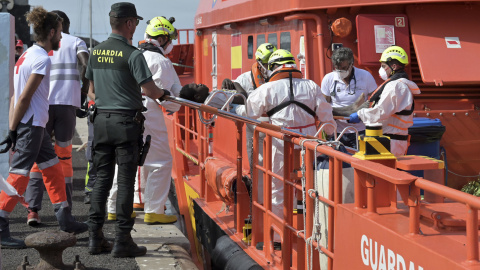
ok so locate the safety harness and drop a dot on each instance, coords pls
(378, 93)
(290, 73)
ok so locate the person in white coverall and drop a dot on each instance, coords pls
(392, 103)
(154, 177)
(291, 102)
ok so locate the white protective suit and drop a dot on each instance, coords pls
(245, 80)
(154, 177)
(396, 96)
(271, 94)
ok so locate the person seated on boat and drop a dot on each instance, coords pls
(392, 103)
(343, 86)
(251, 80)
(200, 93)
(291, 102)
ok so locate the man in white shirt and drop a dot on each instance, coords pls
(64, 99)
(344, 86)
(27, 134)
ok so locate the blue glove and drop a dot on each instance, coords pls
(354, 118)
(234, 108)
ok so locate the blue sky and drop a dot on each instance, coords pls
(78, 13)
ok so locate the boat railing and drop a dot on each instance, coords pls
(299, 233)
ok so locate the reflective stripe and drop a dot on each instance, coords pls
(64, 66)
(406, 129)
(4, 214)
(63, 204)
(19, 171)
(37, 175)
(48, 163)
(406, 122)
(65, 77)
(68, 180)
(64, 144)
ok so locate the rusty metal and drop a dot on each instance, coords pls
(50, 245)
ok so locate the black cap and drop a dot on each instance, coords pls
(123, 10)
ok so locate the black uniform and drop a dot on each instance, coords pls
(117, 69)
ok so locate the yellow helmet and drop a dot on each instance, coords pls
(161, 26)
(280, 57)
(264, 51)
(394, 52)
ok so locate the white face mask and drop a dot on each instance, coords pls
(342, 74)
(168, 49)
(383, 74)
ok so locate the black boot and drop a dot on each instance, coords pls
(97, 242)
(67, 222)
(6, 240)
(125, 247)
(86, 200)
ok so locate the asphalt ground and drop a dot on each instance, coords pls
(12, 258)
(167, 246)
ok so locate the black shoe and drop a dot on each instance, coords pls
(12, 243)
(125, 247)
(76, 228)
(67, 221)
(97, 243)
(86, 200)
(276, 246)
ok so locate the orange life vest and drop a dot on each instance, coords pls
(257, 77)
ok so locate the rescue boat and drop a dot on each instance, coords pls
(386, 222)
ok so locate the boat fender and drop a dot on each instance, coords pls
(228, 255)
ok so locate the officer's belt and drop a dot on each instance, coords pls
(396, 137)
(124, 112)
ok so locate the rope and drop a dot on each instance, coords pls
(317, 226)
(465, 176)
(308, 241)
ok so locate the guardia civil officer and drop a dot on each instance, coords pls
(116, 71)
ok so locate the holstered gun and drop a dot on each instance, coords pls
(144, 150)
(92, 113)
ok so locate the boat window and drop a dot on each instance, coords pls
(260, 39)
(250, 47)
(285, 41)
(272, 38)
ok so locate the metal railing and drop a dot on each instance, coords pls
(367, 175)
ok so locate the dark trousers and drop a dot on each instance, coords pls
(349, 139)
(116, 138)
